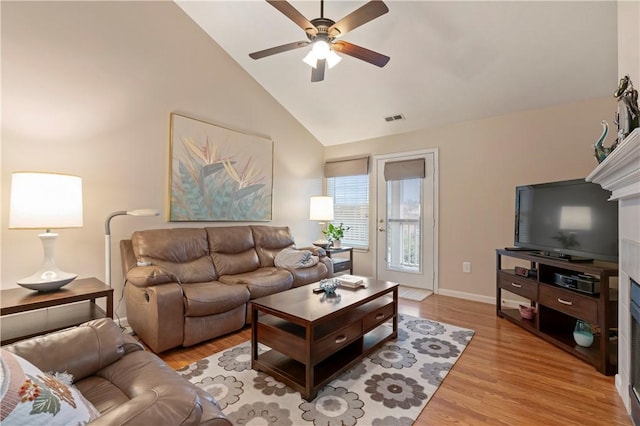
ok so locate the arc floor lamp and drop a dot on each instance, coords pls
(107, 235)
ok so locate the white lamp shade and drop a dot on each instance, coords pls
(321, 49)
(45, 201)
(333, 59)
(311, 59)
(321, 208)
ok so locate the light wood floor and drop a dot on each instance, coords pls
(506, 376)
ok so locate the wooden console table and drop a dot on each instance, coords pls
(558, 308)
(27, 313)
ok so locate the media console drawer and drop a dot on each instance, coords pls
(570, 303)
(521, 286)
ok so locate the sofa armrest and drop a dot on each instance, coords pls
(80, 351)
(159, 395)
(329, 264)
(145, 276)
(156, 314)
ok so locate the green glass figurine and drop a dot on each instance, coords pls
(601, 151)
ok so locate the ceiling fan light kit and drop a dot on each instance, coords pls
(322, 34)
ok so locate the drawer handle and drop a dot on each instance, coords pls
(565, 302)
(341, 339)
(379, 316)
(516, 285)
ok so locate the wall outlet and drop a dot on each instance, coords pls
(466, 266)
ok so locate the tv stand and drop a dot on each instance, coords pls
(558, 308)
(563, 257)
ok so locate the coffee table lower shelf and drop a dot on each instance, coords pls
(293, 372)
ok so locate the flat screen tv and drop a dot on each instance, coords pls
(570, 220)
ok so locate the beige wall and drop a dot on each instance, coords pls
(629, 40)
(87, 89)
(480, 164)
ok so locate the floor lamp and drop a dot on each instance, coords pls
(107, 235)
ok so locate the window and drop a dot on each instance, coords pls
(351, 207)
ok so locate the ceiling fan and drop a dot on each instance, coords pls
(323, 33)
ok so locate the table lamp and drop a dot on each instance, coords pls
(321, 209)
(107, 235)
(46, 201)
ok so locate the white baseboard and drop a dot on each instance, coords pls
(623, 392)
(467, 296)
(510, 303)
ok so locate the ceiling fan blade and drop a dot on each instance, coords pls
(278, 49)
(368, 12)
(317, 73)
(292, 13)
(361, 53)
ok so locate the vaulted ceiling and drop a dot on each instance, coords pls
(450, 61)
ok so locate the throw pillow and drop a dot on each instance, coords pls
(30, 396)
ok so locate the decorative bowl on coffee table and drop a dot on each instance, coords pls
(329, 285)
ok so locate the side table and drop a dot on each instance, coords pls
(341, 263)
(27, 313)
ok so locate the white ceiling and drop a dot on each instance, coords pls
(450, 61)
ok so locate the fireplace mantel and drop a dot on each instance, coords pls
(620, 174)
(620, 171)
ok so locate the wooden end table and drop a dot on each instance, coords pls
(341, 264)
(27, 313)
(314, 338)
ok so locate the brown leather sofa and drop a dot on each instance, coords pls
(125, 383)
(188, 285)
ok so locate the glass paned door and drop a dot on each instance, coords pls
(404, 205)
(405, 223)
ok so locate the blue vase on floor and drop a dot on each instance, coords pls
(583, 334)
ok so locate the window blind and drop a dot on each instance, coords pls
(351, 207)
(351, 167)
(406, 169)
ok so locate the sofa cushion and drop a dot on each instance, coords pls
(262, 282)
(269, 241)
(232, 249)
(304, 276)
(31, 396)
(201, 299)
(103, 394)
(183, 252)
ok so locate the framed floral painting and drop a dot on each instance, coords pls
(218, 174)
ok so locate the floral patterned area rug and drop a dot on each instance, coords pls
(389, 387)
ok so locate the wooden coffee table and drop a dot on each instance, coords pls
(314, 338)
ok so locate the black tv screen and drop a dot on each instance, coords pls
(567, 219)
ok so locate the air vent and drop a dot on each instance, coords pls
(394, 117)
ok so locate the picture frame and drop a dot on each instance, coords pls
(218, 174)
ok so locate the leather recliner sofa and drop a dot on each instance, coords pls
(125, 383)
(188, 285)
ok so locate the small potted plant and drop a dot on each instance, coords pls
(335, 233)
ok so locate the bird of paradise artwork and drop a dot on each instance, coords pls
(218, 174)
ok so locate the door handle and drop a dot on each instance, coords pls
(381, 229)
